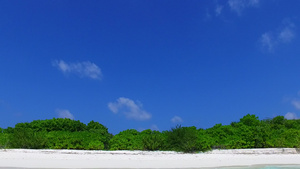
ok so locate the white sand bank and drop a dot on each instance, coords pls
(140, 159)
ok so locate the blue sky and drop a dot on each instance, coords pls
(149, 64)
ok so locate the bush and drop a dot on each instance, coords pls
(95, 145)
(204, 141)
(152, 140)
(182, 139)
(126, 140)
(26, 138)
(55, 124)
(102, 132)
(3, 140)
(249, 132)
(74, 140)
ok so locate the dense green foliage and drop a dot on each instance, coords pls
(126, 140)
(74, 140)
(134, 140)
(57, 133)
(182, 139)
(26, 138)
(58, 124)
(153, 140)
(3, 140)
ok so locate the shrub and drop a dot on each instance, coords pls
(74, 140)
(26, 138)
(182, 139)
(126, 140)
(103, 135)
(3, 140)
(55, 124)
(95, 145)
(152, 140)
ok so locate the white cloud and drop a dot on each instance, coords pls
(176, 119)
(154, 127)
(64, 114)
(207, 15)
(286, 35)
(267, 41)
(239, 5)
(290, 116)
(283, 35)
(82, 69)
(296, 104)
(140, 129)
(129, 108)
(218, 10)
(253, 2)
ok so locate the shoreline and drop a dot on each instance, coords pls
(28, 158)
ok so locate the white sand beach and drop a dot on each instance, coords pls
(21, 158)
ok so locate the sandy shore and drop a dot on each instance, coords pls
(142, 159)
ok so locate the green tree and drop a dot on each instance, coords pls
(101, 130)
(182, 139)
(291, 138)
(278, 122)
(59, 133)
(3, 140)
(218, 135)
(292, 124)
(26, 138)
(250, 120)
(204, 140)
(126, 140)
(152, 140)
(8, 130)
(83, 140)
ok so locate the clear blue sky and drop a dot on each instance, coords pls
(149, 64)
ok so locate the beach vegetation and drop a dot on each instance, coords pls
(127, 140)
(153, 140)
(182, 139)
(83, 140)
(26, 138)
(248, 132)
(3, 140)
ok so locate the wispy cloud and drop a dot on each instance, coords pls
(290, 116)
(286, 35)
(235, 6)
(296, 104)
(267, 41)
(207, 15)
(82, 69)
(239, 5)
(154, 127)
(62, 113)
(129, 108)
(283, 35)
(218, 10)
(176, 119)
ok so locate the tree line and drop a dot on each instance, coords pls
(59, 133)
